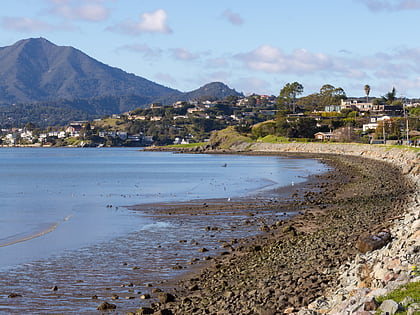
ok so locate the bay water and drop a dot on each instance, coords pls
(63, 206)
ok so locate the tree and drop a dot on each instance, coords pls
(288, 94)
(390, 97)
(367, 91)
(309, 102)
(330, 95)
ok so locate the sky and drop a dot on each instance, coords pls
(252, 46)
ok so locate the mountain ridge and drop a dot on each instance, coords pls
(36, 71)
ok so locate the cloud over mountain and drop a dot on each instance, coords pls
(25, 24)
(88, 10)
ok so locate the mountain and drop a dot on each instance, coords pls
(47, 84)
(34, 70)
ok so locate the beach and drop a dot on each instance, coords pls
(294, 261)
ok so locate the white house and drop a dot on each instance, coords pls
(373, 124)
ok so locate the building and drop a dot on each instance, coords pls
(333, 108)
(374, 122)
(323, 136)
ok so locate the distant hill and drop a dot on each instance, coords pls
(49, 84)
(34, 70)
(210, 91)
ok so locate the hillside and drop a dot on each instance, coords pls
(210, 91)
(35, 70)
(47, 84)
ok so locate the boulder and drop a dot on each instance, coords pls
(164, 297)
(371, 305)
(368, 243)
(390, 306)
(106, 306)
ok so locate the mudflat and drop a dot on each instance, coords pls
(292, 261)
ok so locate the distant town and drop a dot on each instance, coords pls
(326, 116)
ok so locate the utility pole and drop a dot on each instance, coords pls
(383, 130)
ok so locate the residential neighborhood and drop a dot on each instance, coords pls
(347, 119)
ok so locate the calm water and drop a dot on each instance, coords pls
(60, 205)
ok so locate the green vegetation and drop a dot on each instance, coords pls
(410, 290)
(274, 119)
(299, 127)
(288, 94)
(273, 139)
(226, 138)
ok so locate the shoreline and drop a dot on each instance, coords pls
(296, 262)
(279, 267)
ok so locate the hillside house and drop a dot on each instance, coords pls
(359, 105)
(374, 122)
(74, 129)
(323, 136)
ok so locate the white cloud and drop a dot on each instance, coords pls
(88, 10)
(183, 54)
(391, 5)
(25, 24)
(150, 22)
(233, 18)
(273, 60)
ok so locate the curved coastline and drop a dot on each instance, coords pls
(299, 266)
(267, 298)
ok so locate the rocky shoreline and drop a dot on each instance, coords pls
(308, 265)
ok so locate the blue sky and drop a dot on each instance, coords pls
(253, 46)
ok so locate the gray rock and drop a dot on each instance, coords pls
(390, 307)
(413, 309)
